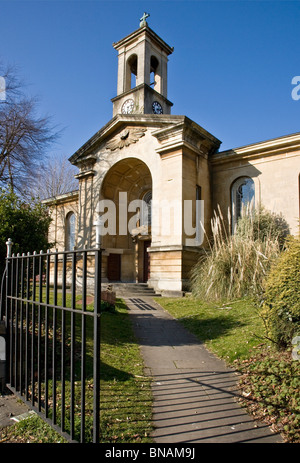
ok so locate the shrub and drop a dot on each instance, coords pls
(281, 309)
(261, 225)
(25, 223)
(107, 307)
(236, 265)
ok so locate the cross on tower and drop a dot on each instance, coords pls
(143, 21)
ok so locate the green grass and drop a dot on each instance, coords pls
(125, 394)
(229, 330)
(31, 430)
(126, 400)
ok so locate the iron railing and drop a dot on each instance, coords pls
(53, 337)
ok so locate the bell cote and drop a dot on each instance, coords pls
(142, 73)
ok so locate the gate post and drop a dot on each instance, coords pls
(3, 324)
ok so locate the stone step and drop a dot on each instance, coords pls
(133, 289)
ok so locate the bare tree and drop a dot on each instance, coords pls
(54, 178)
(24, 136)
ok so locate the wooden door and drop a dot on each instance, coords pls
(146, 273)
(114, 267)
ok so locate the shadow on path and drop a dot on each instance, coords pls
(195, 395)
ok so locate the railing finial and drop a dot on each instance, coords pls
(9, 244)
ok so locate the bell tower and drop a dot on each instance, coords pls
(142, 73)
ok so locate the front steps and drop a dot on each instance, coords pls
(133, 290)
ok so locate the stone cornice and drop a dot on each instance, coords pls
(186, 134)
(63, 198)
(85, 174)
(138, 89)
(145, 30)
(275, 146)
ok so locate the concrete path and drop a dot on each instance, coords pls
(195, 396)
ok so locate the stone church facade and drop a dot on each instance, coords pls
(151, 169)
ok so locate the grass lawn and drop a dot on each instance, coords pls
(125, 394)
(228, 330)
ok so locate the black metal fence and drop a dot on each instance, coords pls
(51, 306)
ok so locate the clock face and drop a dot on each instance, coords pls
(127, 107)
(157, 108)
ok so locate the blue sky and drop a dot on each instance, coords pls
(230, 72)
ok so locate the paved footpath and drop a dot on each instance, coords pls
(195, 395)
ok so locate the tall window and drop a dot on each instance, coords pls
(242, 198)
(146, 212)
(70, 231)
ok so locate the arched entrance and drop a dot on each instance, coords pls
(127, 189)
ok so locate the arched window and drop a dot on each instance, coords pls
(146, 212)
(242, 197)
(70, 231)
(131, 77)
(154, 78)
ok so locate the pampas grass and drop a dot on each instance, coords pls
(236, 265)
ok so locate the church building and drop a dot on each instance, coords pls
(155, 179)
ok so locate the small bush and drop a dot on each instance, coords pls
(236, 265)
(281, 308)
(261, 225)
(107, 307)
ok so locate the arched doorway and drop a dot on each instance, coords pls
(127, 189)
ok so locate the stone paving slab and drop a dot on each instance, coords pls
(10, 408)
(195, 394)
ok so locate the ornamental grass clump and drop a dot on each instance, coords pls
(236, 264)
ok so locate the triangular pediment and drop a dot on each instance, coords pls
(116, 127)
(124, 130)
